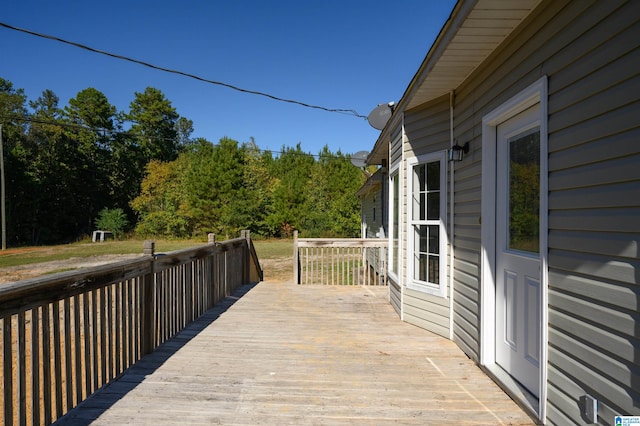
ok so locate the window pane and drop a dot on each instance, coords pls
(426, 250)
(420, 252)
(524, 192)
(434, 269)
(433, 205)
(423, 245)
(421, 266)
(434, 239)
(419, 204)
(418, 178)
(433, 176)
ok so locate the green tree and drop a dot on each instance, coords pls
(332, 208)
(159, 205)
(214, 183)
(91, 109)
(19, 183)
(258, 186)
(344, 180)
(56, 213)
(184, 128)
(114, 220)
(292, 171)
(94, 121)
(126, 171)
(154, 125)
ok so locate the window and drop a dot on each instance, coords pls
(374, 209)
(394, 235)
(426, 250)
(524, 191)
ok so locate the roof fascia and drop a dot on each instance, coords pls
(460, 11)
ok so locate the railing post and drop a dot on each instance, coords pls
(211, 281)
(149, 247)
(246, 258)
(148, 326)
(296, 259)
(383, 266)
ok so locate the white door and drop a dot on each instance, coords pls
(518, 290)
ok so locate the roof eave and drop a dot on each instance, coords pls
(455, 54)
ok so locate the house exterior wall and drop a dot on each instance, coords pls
(396, 167)
(590, 53)
(373, 197)
(371, 208)
(427, 130)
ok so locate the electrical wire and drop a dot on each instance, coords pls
(127, 133)
(182, 73)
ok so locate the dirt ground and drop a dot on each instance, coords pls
(274, 269)
(23, 272)
(278, 269)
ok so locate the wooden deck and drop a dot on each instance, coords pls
(285, 354)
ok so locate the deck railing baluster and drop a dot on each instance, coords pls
(22, 371)
(340, 261)
(65, 335)
(7, 373)
(35, 366)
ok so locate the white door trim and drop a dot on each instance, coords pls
(535, 93)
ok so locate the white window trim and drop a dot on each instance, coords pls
(434, 289)
(394, 171)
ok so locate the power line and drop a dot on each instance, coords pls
(182, 73)
(104, 131)
(32, 119)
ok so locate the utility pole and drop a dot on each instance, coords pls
(2, 195)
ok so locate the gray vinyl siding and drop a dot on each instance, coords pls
(394, 296)
(427, 130)
(427, 311)
(466, 239)
(395, 290)
(590, 53)
(368, 203)
(594, 226)
(395, 151)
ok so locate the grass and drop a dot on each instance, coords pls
(274, 249)
(266, 249)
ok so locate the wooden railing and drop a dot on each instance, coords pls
(339, 261)
(64, 336)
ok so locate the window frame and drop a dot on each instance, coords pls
(440, 288)
(394, 174)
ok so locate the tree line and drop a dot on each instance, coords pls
(67, 167)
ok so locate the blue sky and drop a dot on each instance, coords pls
(347, 54)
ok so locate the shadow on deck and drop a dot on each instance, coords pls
(284, 354)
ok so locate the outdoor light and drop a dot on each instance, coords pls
(456, 153)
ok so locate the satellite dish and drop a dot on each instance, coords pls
(380, 115)
(359, 158)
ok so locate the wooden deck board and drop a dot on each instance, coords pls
(286, 354)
